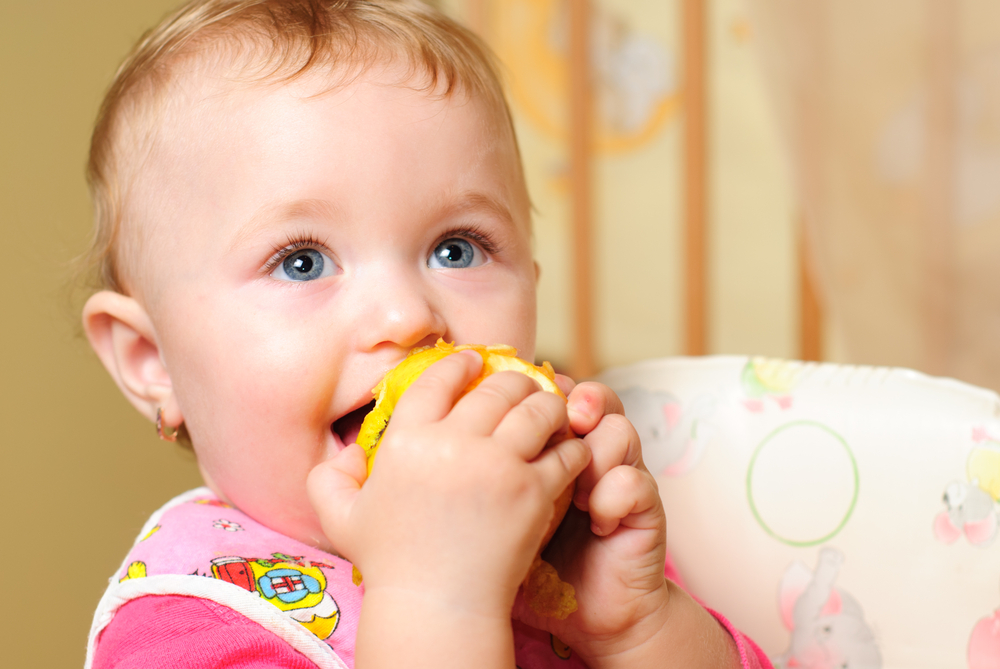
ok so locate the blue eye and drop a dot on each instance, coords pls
(455, 253)
(303, 265)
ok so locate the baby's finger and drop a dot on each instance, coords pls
(560, 464)
(527, 427)
(588, 403)
(432, 396)
(565, 383)
(625, 496)
(332, 487)
(484, 408)
(613, 442)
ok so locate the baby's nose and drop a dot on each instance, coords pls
(403, 312)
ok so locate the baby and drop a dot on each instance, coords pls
(290, 195)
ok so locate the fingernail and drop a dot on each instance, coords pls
(581, 500)
(585, 405)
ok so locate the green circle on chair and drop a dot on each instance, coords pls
(802, 483)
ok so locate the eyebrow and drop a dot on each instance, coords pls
(477, 201)
(281, 212)
(269, 214)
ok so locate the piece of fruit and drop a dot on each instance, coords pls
(400, 377)
(543, 590)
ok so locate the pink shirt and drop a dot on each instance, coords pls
(174, 632)
(195, 591)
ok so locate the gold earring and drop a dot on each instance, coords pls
(160, 432)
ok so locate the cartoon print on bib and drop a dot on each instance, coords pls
(294, 585)
(135, 570)
(154, 530)
(214, 502)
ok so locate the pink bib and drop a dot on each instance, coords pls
(199, 546)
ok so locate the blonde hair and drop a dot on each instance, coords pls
(269, 40)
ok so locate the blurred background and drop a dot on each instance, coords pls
(811, 179)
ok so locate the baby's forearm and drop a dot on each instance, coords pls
(405, 629)
(681, 633)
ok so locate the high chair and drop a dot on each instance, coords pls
(841, 516)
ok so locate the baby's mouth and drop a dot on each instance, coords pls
(347, 426)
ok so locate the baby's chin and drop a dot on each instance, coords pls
(303, 526)
(311, 536)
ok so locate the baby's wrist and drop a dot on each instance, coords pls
(626, 646)
(678, 632)
(455, 600)
(429, 630)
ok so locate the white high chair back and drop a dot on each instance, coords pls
(841, 516)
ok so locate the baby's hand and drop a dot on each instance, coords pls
(611, 548)
(456, 507)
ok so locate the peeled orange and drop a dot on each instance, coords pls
(543, 589)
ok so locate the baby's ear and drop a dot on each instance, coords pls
(122, 335)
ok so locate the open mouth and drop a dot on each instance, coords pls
(347, 426)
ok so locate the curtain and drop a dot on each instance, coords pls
(890, 112)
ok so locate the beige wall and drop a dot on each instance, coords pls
(84, 470)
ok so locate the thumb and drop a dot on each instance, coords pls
(332, 487)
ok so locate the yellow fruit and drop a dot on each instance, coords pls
(545, 593)
(389, 390)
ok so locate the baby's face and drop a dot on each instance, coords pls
(299, 244)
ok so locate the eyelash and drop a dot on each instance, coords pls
(475, 234)
(292, 244)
